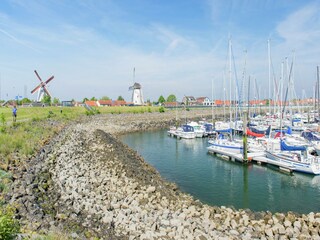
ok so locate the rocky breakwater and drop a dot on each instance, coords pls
(89, 184)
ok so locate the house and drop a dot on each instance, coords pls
(119, 103)
(78, 104)
(67, 103)
(218, 103)
(105, 103)
(171, 104)
(92, 103)
(189, 101)
(204, 101)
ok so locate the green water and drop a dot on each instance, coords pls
(223, 183)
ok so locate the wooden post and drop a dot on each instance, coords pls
(245, 138)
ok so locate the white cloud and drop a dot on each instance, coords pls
(301, 27)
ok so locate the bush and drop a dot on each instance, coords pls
(9, 227)
(88, 113)
(2, 119)
(51, 114)
(161, 109)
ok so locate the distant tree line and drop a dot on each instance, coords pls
(120, 98)
(170, 98)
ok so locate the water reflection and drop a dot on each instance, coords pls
(219, 182)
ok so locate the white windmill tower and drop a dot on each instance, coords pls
(41, 88)
(137, 96)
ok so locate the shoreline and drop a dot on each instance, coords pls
(87, 183)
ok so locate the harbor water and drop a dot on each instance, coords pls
(219, 182)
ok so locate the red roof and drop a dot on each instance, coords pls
(171, 104)
(119, 103)
(201, 99)
(105, 102)
(91, 103)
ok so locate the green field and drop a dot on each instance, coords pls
(32, 128)
(32, 113)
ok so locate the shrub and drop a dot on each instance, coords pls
(161, 109)
(51, 114)
(9, 227)
(2, 119)
(88, 113)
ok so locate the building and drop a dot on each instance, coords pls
(171, 104)
(105, 102)
(204, 101)
(67, 103)
(189, 101)
(119, 103)
(92, 103)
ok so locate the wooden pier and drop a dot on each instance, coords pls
(236, 156)
(256, 157)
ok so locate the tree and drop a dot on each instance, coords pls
(85, 99)
(56, 101)
(46, 99)
(171, 98)
(93, 99)
(105, 98)
(120, 98)
(161, 99)
(25, 100)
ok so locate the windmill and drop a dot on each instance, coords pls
(137, 97)
(41, 88)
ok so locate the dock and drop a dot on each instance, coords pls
(235, 156)
(256, 157)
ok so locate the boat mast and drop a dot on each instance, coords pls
(269, 61)
(249, 97)
(281, 88)
(212, 101)
(230, 77)
(254, 96)
(318, 91)
(224, 104)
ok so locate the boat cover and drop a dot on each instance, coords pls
(208, 127)
(253, 134)
(187, 128)
(228, 130)
(285, 147)
(310, 136)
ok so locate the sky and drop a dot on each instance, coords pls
(179, 47)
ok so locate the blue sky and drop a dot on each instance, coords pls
(176, 46)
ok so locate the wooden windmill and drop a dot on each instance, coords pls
(41, 88)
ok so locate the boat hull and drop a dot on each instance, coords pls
(309, 168)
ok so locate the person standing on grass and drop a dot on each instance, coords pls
(14, 113)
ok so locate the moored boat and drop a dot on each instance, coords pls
(299, 158)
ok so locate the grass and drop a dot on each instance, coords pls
(36, 113)
(32, 130)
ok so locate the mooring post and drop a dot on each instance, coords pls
(245, 138)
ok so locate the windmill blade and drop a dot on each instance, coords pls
(38, 75)
(36, 88)
(46, 82)
(46, 90)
